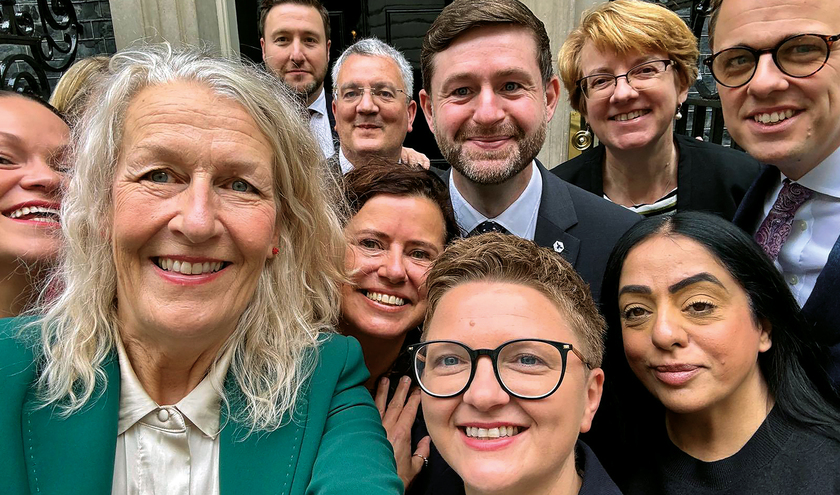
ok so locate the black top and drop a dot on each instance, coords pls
(780, 458)
(710, 177)
(439, 479)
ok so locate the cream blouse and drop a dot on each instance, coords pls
(171, 449)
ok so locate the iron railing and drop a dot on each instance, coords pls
(50, 47)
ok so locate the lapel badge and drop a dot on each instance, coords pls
(559, 247)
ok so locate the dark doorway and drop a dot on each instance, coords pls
(401, 23)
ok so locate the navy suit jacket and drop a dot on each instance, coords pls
(822, 309)
(585, 226)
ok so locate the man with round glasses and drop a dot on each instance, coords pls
(777, 64)
(509, 365)
(372, 104)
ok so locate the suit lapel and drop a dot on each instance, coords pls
(751, 209)
(261, 463)
(822, 305)
(555, 216)
(74, 454)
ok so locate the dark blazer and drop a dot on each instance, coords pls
(329, 99)
(822, 309)
(710, 177)
(581, 226)
(335, 443)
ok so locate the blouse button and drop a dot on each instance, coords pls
(803, 225)
(163, 415)
(793, 280)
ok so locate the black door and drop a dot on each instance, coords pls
(401, 23)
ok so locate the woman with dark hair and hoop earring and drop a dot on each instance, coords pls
(627, 68)
(710, 329)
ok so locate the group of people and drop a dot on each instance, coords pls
(223, 279)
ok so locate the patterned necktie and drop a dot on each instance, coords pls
(775, 228)
(488, 226)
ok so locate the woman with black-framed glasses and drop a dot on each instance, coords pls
(509, 365)
(627, 68)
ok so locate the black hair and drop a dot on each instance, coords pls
(795, 366)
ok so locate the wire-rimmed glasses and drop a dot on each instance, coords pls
(640, 77)
(797, 56)
(525, 368)
(379, 94)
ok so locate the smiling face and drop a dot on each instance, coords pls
(540, 454)
(800, 142)
(193, 214)
(488, 106)
(295, 48)
(689, 333)
(631, 119)
(392, 241)
(371, 127)
(32, 141)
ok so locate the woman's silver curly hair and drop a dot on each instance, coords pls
(297, 296)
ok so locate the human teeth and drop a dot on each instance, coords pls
(501, 431)
(773, 118)
(628, 116)
(34, 210)
(187, 268)
(384, 298)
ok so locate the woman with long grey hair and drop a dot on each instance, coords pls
(192, 350)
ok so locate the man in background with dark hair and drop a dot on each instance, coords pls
(782, 105)
(295, 42)
(489, 90)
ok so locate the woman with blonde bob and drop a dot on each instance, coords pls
(627, 68)
(192, 350)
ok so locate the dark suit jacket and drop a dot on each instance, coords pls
(329, 98)
(335, 444)
(822, 309)
(586, 226)
(710, 177)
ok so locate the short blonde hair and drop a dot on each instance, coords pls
(275, 341)
(506, 258)
(625, 26)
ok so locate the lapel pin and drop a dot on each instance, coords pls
(559, 247)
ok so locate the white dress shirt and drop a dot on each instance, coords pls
(319, 123)
(520, 218)
(815, 227)
(346, 166)
(168, 449)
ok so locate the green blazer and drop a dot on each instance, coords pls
(335, 444)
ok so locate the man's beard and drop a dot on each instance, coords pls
(309, 89)
(506, 162)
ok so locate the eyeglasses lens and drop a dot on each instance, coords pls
(800, 56)
(530, 368)
(526, 368)
(443, 368)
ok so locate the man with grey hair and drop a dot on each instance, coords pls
(372, 104)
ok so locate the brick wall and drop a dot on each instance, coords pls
(97, 36)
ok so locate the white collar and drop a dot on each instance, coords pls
(201, 406)
(517, 218)
(346, 166)
(320, 104)
(825, 177)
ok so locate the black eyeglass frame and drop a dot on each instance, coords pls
(828, 39)
(579, 82)
(493, 354)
